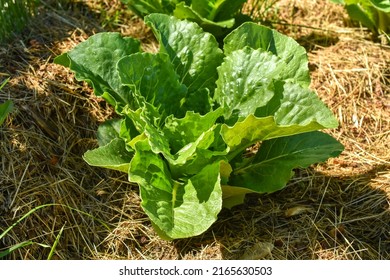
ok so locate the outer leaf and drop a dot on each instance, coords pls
(374, 14)
(113, 156)
(149, 169)
(226, 9)
(261, 37)
(194, 53)
(145, 7)
(233, 196)
(94, 61)
(363, 13)
(300, 111)
(152, 79)
(271, 168)
(252, 130)
(177, 209)
(246, 80)
(383, 5)
(108, 131)
(203, 17)
(301, 106)
(207, 8)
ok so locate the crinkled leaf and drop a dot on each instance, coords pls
(152, 78)
(271, 168)
(245, 81)
(180, 141)
(261, 37)
(302, 106)
(194, 141)
(207, 149)
(178, 209)
(94, 61)
(144, 120)
(194, 53)
(114, 156)
(183, 131)
(149, 169)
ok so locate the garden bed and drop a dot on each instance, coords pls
(335, 210)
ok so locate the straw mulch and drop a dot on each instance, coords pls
(334, 210)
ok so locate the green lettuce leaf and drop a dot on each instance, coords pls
(300, 111)
(177, 208)
(270, 169)
(182, 131)
(202, 17)
(214, 16)
(245, 80)
(302, 106)
(217, 10)
(108, 131)
(113, 155)
(145, 7)
(194, 53)
(374, 14)
(152, 79)
(95, 61)
(382, 5)
(287, 49)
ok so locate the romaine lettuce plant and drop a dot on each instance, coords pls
(189, 113)
(374, 14)
(214, 16)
